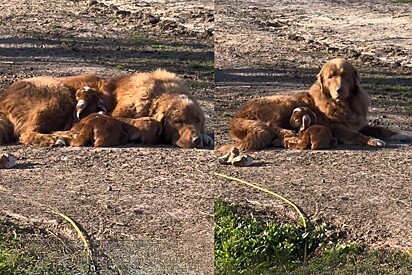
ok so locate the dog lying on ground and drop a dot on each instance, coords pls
(31, 109)
(311, 135)
(337, 100)
(162, 96)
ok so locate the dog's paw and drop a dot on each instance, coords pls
(207, 141)
(7, 161)
(376, 142)
(229, 157)
(59, 143)
(288, 133)
(401, 137)
(242, 161)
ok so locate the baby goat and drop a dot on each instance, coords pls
(311, 135)
(99, 130)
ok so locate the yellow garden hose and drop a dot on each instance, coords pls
(276, 196)
(78, 231)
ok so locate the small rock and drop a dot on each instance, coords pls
(152, 19)
(7, 161)
(92, 2)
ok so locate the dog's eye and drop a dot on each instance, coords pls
(330, 76)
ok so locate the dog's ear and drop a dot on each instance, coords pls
(161, 117)
(356, 77)
(319, 80)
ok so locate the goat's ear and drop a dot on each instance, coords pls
(100, 104)
(80, 106)
(315, 118)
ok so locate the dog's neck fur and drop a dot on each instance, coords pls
(343, 114)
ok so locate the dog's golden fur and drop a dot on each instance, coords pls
(31, 109)
(162, 96)
(335, 97)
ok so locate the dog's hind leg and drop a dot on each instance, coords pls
(251, 135)
(6, 130)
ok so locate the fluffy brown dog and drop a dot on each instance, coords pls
(311, 135)
(31, 109)
(162, 96)
(336, 98)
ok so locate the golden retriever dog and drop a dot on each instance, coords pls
(31, 109)
(336, 98)
(311, 135)
(162, 96)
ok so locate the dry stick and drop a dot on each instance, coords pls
(305, 251)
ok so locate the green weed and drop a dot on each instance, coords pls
(245, 245)
(119, 67)
(205, 66)
(226, 114)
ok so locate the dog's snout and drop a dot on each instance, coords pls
(339, 90)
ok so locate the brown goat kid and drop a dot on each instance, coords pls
(311, 135)
(100, 130)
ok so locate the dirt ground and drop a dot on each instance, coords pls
(150, 210)
(144, 210)
(270, 47)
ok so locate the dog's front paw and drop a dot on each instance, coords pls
(376, 142)
(207, 141)
(288, 133)
(59, 143)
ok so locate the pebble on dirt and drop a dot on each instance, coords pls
(7, 161)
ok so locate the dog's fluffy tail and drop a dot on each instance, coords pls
(251, 135)
(6, 130)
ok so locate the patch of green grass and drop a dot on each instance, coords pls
(29, 251)
(205, 66)
(54, 26)
(404, 92)
(119, 67)
(138, 38)
(246, 245)
(226, 114)
(243, 245)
